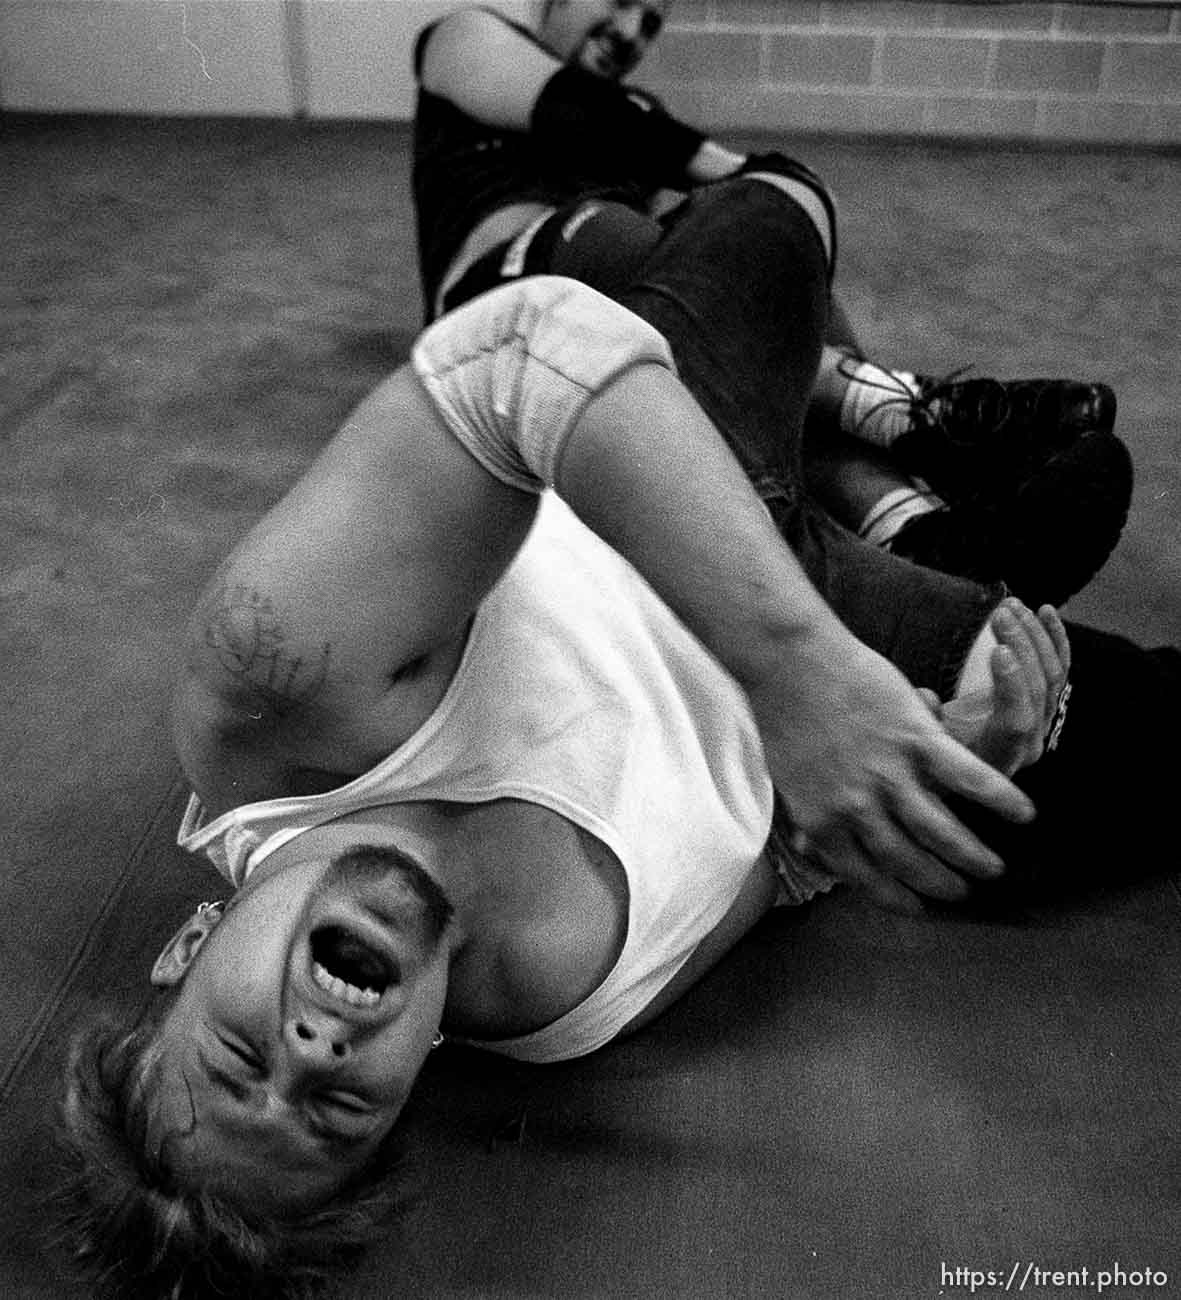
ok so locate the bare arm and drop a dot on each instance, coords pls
(486, 67)
(862, 765)
(377, 558)
(311, 643)
(481, 64)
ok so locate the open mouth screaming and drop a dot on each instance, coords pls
(347, 968)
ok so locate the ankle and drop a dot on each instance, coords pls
(877, 403)
(892, 512)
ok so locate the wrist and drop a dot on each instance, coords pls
(786, 653)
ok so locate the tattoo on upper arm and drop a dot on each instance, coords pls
(245, 633)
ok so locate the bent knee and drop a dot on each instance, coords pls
(804, 187)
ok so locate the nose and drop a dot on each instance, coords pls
(317, 1040)
(627, 24)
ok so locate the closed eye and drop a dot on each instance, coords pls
(244, 1053)
(227, 1082)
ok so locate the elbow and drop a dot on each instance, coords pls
(226, 750)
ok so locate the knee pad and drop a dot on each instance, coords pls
(599, 241)
(801, 184)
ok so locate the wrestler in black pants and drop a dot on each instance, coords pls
(736, 281)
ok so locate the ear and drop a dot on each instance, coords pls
(179, 952)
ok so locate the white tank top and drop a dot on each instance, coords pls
(580, 691)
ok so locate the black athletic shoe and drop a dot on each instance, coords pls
(1045, 535)
(974, 440)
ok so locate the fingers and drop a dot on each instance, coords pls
(914, 874)
(959, 772)
(1049, 619)
(1048, 659)
(1013, 625)
(1016, 725)
(943, 842)
(921, 869)
(888, 893)
(1042, 648)
(885, 861)
(911, 845)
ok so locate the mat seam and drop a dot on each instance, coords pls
(33, 1036)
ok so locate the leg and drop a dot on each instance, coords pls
(738, 286)
(754, 383)
(744, 339)
(1104, 793)
(1038, 486)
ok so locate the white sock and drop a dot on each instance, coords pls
(876, 405)
(894, 511)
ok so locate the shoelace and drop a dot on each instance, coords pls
(933, 390)
(990, 410)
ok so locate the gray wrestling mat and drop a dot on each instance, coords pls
(853, 1102)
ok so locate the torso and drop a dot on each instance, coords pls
(552, 906)
(553, 909)
(553, 914)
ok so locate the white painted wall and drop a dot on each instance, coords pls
(198, 57)
(326, 58)
(359, 53)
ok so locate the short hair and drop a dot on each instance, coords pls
(136, 1233)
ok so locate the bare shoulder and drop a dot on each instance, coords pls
(455, 39)
(461, 28)
(245, 656)
(333, 624)
(486, 65)
(556, 928)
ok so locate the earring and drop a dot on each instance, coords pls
(211, 909)
(438, 1040)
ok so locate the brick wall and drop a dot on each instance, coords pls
(1074, 72)
(1068, 71)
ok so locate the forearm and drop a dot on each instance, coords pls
(648, 471)
(614, 129)
(495, 74)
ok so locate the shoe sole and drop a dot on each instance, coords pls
(1050, 538)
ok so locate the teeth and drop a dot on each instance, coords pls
(337, 987)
